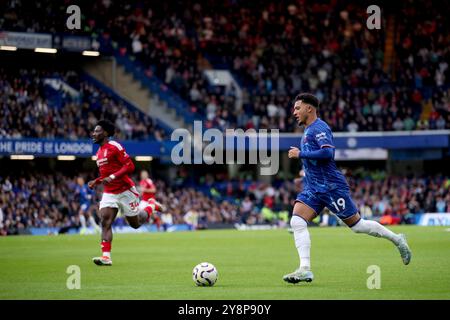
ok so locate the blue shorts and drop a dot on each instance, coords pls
(338, 201)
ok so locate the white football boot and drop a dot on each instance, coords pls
(102, 261)
(403, 247)
(299, 276)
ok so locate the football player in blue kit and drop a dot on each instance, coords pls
(325, 186)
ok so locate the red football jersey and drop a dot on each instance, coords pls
(146, 184)
(111, 157)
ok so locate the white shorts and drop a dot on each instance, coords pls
(143, 204)
(127, 202)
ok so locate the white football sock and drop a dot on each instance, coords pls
(82, 221)
(92, 222)
(302, 241)
(375, 229)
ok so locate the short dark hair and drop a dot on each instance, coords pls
(308, 98)
(108, 126)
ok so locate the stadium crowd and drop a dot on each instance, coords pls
(376, 194)
(275, 50)
(55, 200)
(30, 107)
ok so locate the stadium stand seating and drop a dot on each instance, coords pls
(34, 107)
(276, 50)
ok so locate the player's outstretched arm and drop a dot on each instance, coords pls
(93, 183)
(321, 154)
(326, 153)
(128, 167)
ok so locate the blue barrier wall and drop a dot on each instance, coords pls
(85, 148)
(79, 148)
(433, 219)
(386, 140)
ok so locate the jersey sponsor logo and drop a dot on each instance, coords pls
(321, 136)
(101, 162)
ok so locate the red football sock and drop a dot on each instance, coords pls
(158, 222)
(106, 248)
(149, 210)
(153, 201)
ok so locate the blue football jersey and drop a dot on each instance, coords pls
(320, 175)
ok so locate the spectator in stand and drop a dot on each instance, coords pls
(191, 218)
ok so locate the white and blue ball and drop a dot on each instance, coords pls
(205, 274)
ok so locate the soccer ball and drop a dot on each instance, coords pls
(205, 274)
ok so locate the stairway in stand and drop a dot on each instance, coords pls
(389, 47)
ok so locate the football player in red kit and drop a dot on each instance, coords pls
(148, 191)
(148, 188)
(119, 191)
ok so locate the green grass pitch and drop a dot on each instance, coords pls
(250, 263)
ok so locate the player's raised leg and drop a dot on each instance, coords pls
(137, 213)
(340, 203)
(142, 217)
(302, 214)
(375, 229)
(107, 216)
(159, 208)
